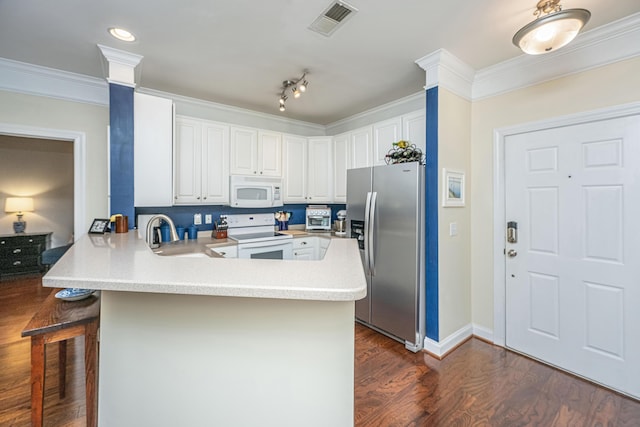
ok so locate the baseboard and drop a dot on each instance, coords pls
(483, 333)
(440, 349)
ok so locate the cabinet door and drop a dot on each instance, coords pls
(360, 148)
(215, 163)
(187, 162)
(295, 169)
(320, 170)
(306, 254)
(414, 129)
(244, 151)
(340, 166)
(384, 135)
(269, 153)
(152, 150)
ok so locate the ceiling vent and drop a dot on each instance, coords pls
(333, 17)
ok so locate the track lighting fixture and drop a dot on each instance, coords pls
(297, 87)
(550, 32)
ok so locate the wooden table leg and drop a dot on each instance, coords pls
(38, 359)
(90, 348)
(62, 368)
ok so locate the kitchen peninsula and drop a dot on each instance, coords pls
(215, 341)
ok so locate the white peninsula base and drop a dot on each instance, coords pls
(187, 360)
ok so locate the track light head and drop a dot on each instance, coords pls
(297, 86)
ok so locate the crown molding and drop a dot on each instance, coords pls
(445, 70)
(121, 65)
(410, 100)
(42, 81)
(210, 107)
(604, 45)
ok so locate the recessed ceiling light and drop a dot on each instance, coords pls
(122, 34)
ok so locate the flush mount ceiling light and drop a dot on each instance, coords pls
(297, 86)
(122, 34)
(553, 30)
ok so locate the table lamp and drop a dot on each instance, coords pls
(19, 205)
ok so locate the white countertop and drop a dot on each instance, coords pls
(123, 262)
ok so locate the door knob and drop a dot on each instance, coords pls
(512, 253)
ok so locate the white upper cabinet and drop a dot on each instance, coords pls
(414, 129)
(269, 153)
(215, 163)
(384, 135)
(255, 152)
(340, 165)
(308, 169)
(153, 145)
(360, 148)
(201, 167)
(244, 151)
(295, 169)
(320, 170)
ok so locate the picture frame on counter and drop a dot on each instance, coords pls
(453, 191)
(99, 226)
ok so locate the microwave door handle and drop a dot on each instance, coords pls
(371, 232)
(367, 211)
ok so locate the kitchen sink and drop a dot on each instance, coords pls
(185, 249)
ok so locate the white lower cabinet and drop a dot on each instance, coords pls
(305, 248)
(201, 163)
(323, 245)
(230, 251)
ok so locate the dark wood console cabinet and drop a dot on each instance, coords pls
(21, 253)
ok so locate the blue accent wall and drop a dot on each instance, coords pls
(183, 215)
(431, 216)
(121, 150)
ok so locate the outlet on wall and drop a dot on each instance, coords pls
(208, 219)
(197, 219)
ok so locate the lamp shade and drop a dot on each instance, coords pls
(551, 32)
(18, 204)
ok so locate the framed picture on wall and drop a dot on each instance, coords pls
(453, 188)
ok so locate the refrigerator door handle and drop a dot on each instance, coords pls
(371, 233)
(367, 211)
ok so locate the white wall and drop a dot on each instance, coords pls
(43, 170)
(454, 269)
(90, 119)
(610, 85)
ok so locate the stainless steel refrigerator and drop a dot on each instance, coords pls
(385, 212)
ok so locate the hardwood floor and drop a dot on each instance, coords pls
(476, 385)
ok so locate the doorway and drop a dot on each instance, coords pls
(78, 140)
(570, 280)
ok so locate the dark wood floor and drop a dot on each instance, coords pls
(476, 385)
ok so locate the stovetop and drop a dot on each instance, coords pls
(259, 237)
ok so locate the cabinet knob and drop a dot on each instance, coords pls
(260, 172)
(1, 242)
(198, 197)
(204, 198)
(17, 262)
(17, 251)
(303, 243)
(255, 172)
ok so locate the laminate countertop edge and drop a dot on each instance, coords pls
(123, 262)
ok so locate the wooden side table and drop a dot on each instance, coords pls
(58, 321)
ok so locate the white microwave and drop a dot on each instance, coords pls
(255, 192)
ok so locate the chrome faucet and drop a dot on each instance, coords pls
(172, 230)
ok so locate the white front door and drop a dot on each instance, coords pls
(573, 280)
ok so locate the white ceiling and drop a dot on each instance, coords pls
(238, 52)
